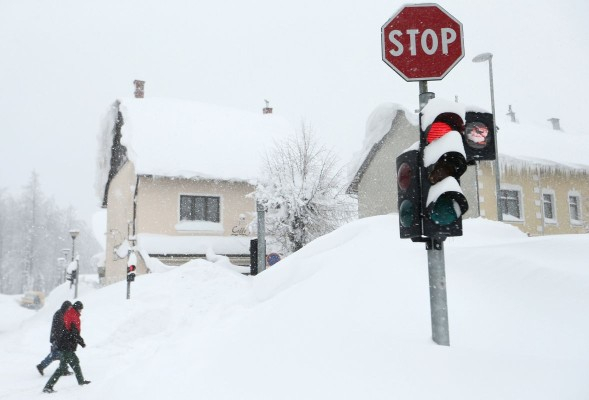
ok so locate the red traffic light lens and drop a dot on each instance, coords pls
(404, 175)
(437, 130)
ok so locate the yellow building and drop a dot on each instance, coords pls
(176, 179)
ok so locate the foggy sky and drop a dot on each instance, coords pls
(64, 62)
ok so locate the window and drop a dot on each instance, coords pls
(510, 204)
(199, 208)
(574, 208)
(548, 200)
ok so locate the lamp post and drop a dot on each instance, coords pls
(74, 233)
(482, 58)
(65, 252)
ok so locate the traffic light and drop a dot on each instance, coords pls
(254, 257)
(479, 136)
(131, 267)
(409, 194)
(444, 161)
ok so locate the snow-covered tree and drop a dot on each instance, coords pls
(302, 190)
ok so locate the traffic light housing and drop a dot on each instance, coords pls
(444, 160)
(131, 267)
(479, 137)
(409, 194)
(254, 257)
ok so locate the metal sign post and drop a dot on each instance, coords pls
(437, 292)
(261, 237)
(436, 264)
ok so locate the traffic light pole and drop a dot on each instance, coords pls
(261, 237)
(437, 291)
(435, 263)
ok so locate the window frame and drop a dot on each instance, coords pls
(579, 219)
(503, 202)
(194, 210)
(552, 201)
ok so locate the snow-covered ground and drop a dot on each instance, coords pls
(347, 317)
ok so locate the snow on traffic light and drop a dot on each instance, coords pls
(444, 161)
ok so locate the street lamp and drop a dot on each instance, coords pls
(74, 233)
(482, 58)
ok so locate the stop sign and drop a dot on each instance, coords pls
(422, 42)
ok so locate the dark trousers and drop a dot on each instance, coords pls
(52, 356)
(67, 357)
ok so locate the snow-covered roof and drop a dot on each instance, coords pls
(168, 137)
(518, 143)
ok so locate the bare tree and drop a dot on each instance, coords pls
(302, 191)
(33, 232)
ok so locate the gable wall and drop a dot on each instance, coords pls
(377, 190)
(119, 213)
(158, 204)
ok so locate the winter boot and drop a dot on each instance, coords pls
(84, 383)
(48, 390)
(40, 369)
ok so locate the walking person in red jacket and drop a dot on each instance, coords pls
(56, 331)
(67, 343)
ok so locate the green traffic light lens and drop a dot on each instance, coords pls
(445, 211)
(406, 213)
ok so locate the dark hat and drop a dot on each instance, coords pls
(78, 305)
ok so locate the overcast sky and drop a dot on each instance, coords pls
(64, 62)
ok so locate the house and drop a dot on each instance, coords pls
(543, 173)
(176, 179)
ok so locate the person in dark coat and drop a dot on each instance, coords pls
(67, 344)
(57, 329)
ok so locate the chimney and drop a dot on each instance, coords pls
(267, 109)
(511, 114)
(139, 89)
(555, 123)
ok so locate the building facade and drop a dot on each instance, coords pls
(177, 180)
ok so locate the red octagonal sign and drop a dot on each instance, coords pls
(422, 42)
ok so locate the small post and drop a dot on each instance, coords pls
(74, 234)
(261, 237)
(77, 277)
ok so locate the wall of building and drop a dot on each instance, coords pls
(158, 205)
(377, 190)
(158, 211)
(118, 222)
(532, 181)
